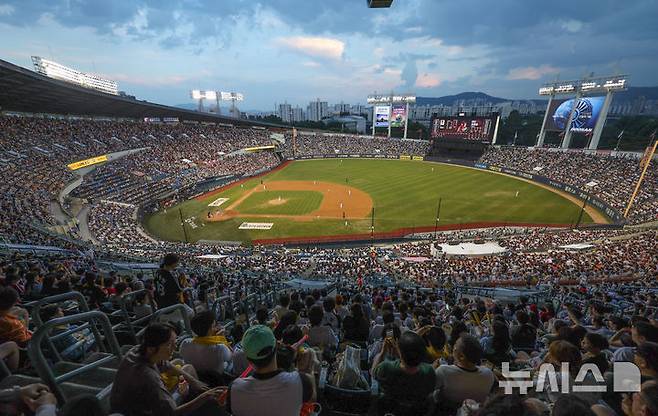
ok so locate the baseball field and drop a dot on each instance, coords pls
(318, 199)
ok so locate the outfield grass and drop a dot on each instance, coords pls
(281, 202)
(404, 193)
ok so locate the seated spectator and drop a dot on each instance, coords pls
(36, 397)
(320, 335)
(288, 318)
(524, 335)
(561, 352)
(208, 352)
(390, 332)
(641, 332)
(511, 405)
(594, 344)
(435, 341)
(376, 331)
(10, 354)
(643, 403)
(301, 358)
(11, 327)
(282, 307)
(92, 291)
(143, 306)
(269, 387)
(262, 316)
(498, 347)
(406, 382)
(465, 379)
(356, 327)
(570, 404)
(74, 346)
(138, 387)
(330, 317)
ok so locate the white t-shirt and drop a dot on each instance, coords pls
(205, 357)
(280, 394)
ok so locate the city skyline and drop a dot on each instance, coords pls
(295, 50)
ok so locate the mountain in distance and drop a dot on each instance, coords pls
(448, 100)
(471, 98)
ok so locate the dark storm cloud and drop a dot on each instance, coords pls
(597, 35)
(206, 18)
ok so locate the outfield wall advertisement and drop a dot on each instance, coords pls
(382, 115)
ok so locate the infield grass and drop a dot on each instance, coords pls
(281, 202)
(404, 194)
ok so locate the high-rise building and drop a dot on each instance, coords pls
(284, 111)
(342, 108)
(298, 114)
(317, 110)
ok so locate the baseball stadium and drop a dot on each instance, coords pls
(413, 248)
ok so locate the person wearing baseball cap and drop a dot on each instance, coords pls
(268, 387)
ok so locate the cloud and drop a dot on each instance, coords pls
(426, 80)
(310, 64)
(531, 72)
(6, 9)
(314, 46)
(572, 25)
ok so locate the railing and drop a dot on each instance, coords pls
(82, 306)
(40, 362)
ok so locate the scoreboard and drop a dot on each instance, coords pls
(479, 129)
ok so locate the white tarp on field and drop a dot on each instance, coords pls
(217, 202)
(256, 226)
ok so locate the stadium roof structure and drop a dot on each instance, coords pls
(22, 90)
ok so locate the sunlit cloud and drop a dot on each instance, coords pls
(314, 46)
(531, 72)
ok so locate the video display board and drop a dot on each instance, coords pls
(381, 115)
(398, 115)
(479, 129)
(585, 114)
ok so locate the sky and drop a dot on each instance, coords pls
(336, 50)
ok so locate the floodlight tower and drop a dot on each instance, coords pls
(232, 97)
(582, 89)
(199, 96)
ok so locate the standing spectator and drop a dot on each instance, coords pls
(167, 288)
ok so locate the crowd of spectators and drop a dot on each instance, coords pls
(338, 144)
(386, 349)
(615, 177)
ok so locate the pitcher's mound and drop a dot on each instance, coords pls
(277, 201)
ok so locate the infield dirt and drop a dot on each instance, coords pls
(338, 201)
